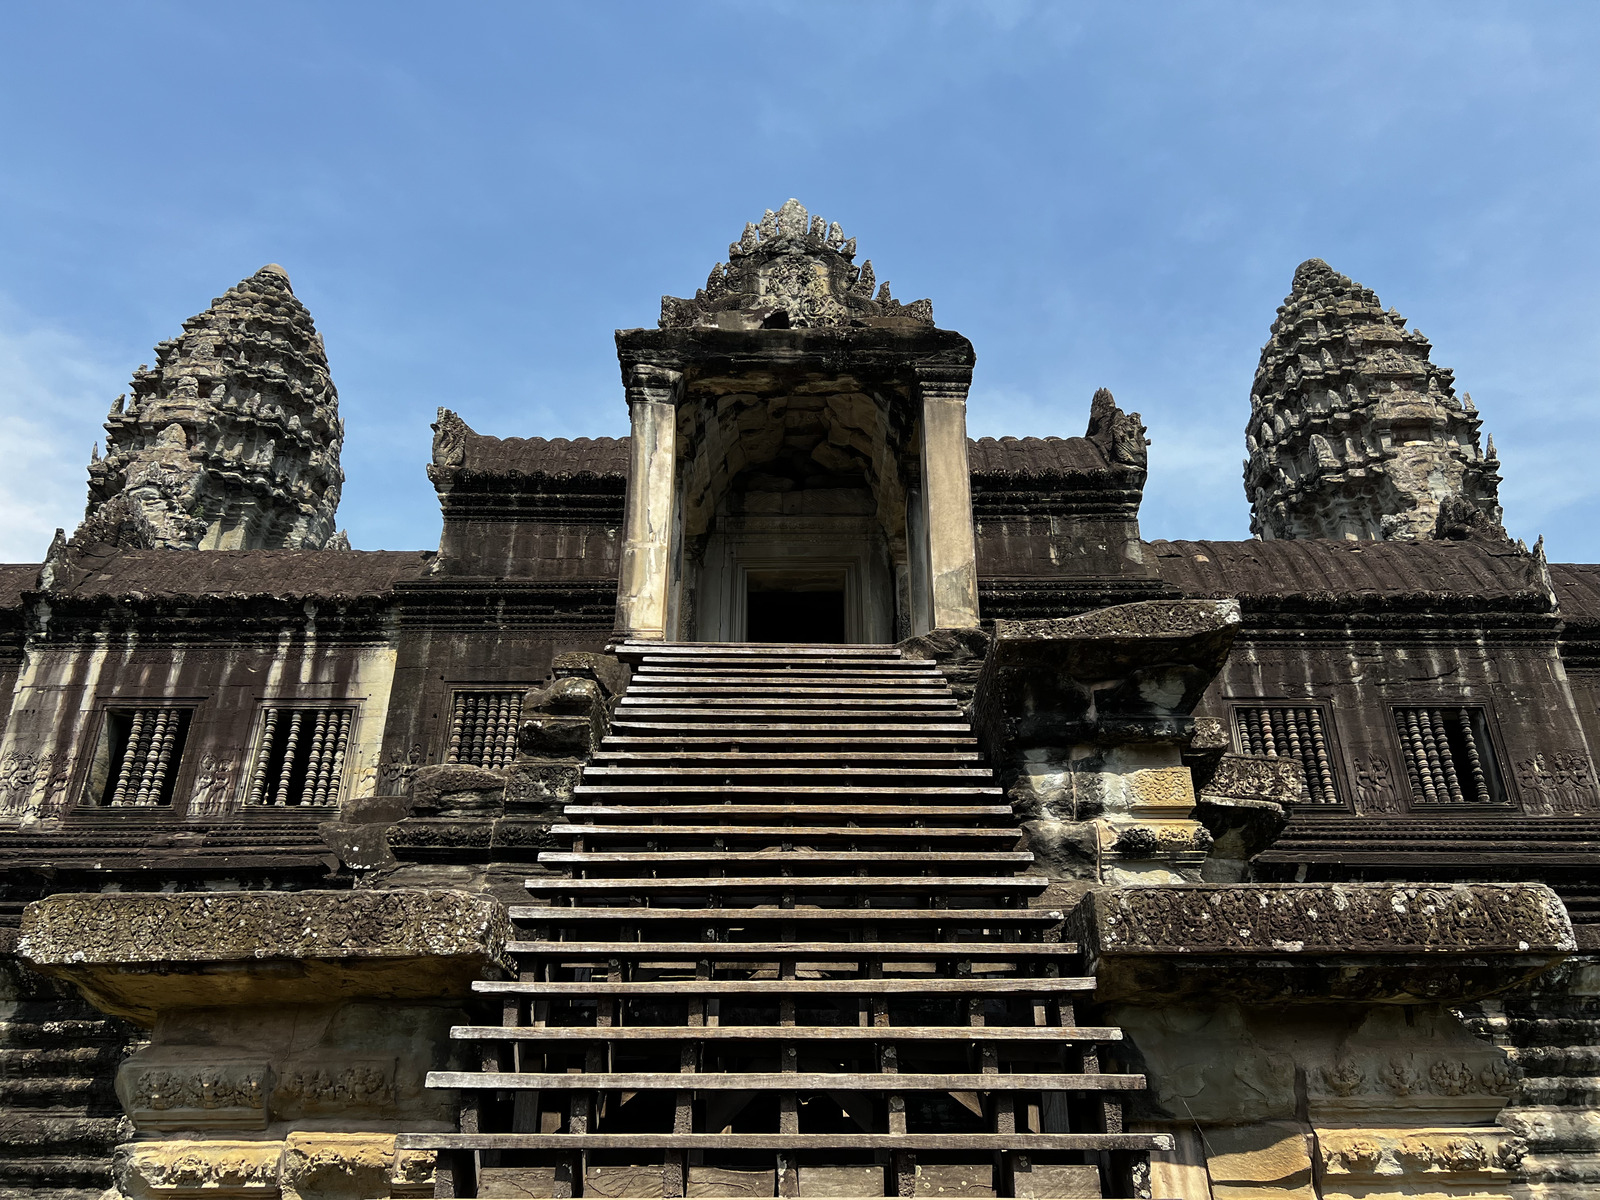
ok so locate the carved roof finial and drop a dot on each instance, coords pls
(793, 270)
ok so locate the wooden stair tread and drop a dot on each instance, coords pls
(785, 1141)
(742, 1081)
(648, 857)
(800, 950)
(931, 986)
(779, 789)
(540, 914)
(716, 883)
(789, 1033)
(844, 773)
(711, 759)
(782, 832)
(811, 730)
(739, 811)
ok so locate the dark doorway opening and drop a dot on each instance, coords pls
(794, 616)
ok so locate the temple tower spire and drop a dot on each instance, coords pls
(1354, 433)
(231, 441)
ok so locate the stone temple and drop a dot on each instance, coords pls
(797, 797)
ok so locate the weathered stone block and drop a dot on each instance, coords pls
(1245, 805)
(185, 1167)
(606, 670)
(542, 786)
(1274, 1152)
(1312, 942)
(336, 1166)
(135, 953)
(553, 736)
(1131, 672)
(456, 788)
(1257, 777)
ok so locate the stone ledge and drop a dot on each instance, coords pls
(136, 953)
(1311, 943)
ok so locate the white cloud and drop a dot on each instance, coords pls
(53, 388)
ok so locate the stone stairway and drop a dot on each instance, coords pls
(795, 955)
(59, 1116)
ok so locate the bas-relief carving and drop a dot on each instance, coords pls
(396, 771)
(1399, 1099)
(1374, 785)
(179, 1095)
(1392, 1065)
(25, 775)
(212, 781)
(335, 1087)
(1356, 1162)
(1560, 782)
(302, 1166)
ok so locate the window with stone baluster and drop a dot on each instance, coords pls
(1449, 756)
(1298, 731)
(300, 756)
(136, 761)
(483, 727)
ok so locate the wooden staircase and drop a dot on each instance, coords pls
(795, 955)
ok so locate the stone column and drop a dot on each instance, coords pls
(652, 392)
(947, 496)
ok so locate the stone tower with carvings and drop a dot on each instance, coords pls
(231, 441)
(1354, 434)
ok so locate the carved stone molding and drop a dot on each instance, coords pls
(1316, 942)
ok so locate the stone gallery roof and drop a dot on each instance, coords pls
(510, 457)
(1034, 456)
(1422, 574)
(105, 573)
(1578, 590)
(16, 578)
(461, 454)
(466, 454)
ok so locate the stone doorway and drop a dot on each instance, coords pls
(814, 613)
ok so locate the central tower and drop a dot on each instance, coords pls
(799, 453)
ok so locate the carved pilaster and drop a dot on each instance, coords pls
(653, 389)
(947, 495)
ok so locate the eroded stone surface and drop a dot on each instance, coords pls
(1312, 942)
(791, 271)
(134, 954)
(1354, 433)
(231, 441)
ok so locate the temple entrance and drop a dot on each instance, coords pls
(794, 616)
(796, 605)
(786, 420)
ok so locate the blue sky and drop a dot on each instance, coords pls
(470, 198)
